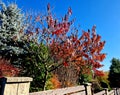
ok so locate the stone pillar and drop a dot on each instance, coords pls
(17, 85)
(106, 91)
(2, 85)
(88, 89)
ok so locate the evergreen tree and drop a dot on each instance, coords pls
(11, 20)
(114, 75)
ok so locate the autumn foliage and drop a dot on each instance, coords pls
(55, 82)
(65, 45)
(45, 46)
(7, 69)
(83, 51)
(62, 47)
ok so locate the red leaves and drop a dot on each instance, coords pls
(61, 28)
(97, 65)
(99, 73)
(85, 55)
(50, 21)
(57, 32)
(65, 64)
(83, 51)
(58, 28)
(6, 69)
(98, 38)
(99, 57)
(74, 39)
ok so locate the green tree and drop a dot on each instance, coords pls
(37, 64)
(114, 75)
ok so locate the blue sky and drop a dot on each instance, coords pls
(105, 14)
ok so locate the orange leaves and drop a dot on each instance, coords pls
(86, 34)
(103, 56)
(84, 48)
(79, 59)
(98, 38)
(101, 45)
(99, 57)
(82, 51)
(90, 47)
(55, 82)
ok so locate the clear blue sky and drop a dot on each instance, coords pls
(105, 14)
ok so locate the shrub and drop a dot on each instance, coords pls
(7, 69)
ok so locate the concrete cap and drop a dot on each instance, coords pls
(18, 79)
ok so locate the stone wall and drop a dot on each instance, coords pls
(16, 85)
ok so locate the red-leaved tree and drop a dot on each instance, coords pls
(65, 46)
(83, 51)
